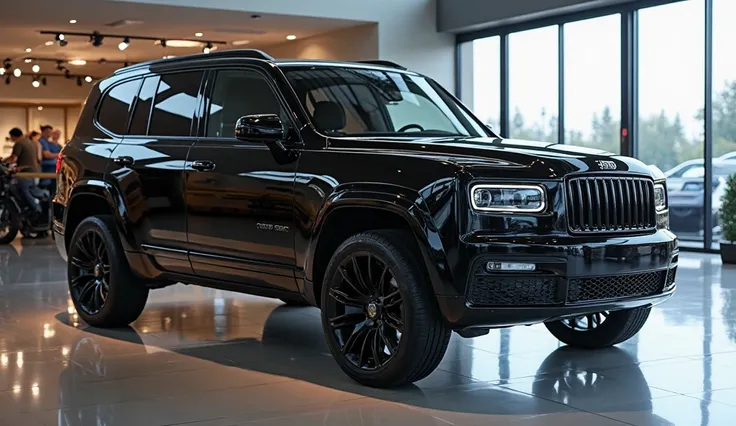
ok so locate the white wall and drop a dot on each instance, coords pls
(57, 90)
(352, 44)
(407, 29)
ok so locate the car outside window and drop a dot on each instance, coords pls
(175, 104)
(238, 93)
(364, 102)
(115, 106)
(139, 122)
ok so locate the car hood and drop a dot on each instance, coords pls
(475, 155)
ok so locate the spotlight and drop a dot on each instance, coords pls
(78, 62)
(2, 71)
(63, 43)
(125, 64)
(43, 81)
(198, 34)
(96, 39)
(207, 48)
(291, 37)
(49, 43)
(7, 80)
(72, 21)
(79, 81)
(36, 68)
(40, 108)
(124, 44)
(17, 72)
(61, 39)
(35, 83)
(88, 79)
(28, 50)
(67, 74)
(28, 60)
(163, 43)
(102, 61)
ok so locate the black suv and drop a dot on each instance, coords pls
(363, 189)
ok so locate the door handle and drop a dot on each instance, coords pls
(125, 161)
(203, 166)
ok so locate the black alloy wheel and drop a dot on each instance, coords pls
(600, 329)
(365, 311)
(90, 269)
(379, 313)
(586, 322)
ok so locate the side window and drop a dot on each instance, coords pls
(139, 122)
(238, 93)
(115, 106)
(176, 100)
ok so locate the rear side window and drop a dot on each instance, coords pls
(238, 93)
(139, 123)
(115, 106)
(175, 103)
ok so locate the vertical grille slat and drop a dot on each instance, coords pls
(613, 204)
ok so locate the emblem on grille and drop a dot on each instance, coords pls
(606, 165)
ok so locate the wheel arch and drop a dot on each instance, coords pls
(341, 218)
(92, 197)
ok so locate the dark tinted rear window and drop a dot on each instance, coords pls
(139, 123)
(176, 101)
(115, 106)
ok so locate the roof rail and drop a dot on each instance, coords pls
(383, 63)
(234, 53)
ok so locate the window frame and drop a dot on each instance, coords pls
(292, 131)
(104, 95)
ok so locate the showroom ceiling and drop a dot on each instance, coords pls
(22, 21)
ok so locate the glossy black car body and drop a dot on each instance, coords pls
(265, 219)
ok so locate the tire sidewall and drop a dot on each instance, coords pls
(404, 278)
(14, 223)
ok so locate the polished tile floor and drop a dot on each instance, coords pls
(204, 357)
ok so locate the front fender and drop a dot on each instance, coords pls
(406, 204)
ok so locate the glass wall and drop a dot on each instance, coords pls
(627, 70)
(533, 88)
(671, 113)
(593, 83)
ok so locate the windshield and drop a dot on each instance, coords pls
(365, 102)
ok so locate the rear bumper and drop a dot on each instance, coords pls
(58, 230)
(573, 276)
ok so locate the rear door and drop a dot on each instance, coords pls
(148, 165)
(240, 202)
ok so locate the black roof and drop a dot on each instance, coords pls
(255, 54)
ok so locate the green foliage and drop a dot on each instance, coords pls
(728, 210)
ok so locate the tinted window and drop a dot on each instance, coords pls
(115, 107)
(176, 100)
(139, 123)
(238, 93)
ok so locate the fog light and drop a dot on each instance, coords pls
(510, 267)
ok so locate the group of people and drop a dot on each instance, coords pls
(33, 153)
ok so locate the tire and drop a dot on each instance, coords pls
(295, 302)
(9, 223)
(616, 327)
(99, 272)
(404, 325)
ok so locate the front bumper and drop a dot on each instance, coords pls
(573, 276)
(58, 230)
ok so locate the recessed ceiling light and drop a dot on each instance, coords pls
(36, 68)
(198, 34)
(28, 60)
(240, 42)
(49, 43)
(291, 37)
(72, 21)
(181, 43)
(88, 79)
(40, 108)
(28, 50)
(17, 72)
(78, 62)
(169, 56)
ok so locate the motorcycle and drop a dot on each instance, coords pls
(12, 217)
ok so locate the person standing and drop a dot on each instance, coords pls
(51, 148)
(25, 158)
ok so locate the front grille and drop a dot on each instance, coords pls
(610, 204)
(615, 287)
(512, 291)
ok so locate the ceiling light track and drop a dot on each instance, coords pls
(97, 38)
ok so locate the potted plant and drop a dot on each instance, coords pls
(728, 222)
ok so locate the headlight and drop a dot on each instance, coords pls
(508, 198)
(660, 197)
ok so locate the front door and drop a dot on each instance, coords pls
(239, 197)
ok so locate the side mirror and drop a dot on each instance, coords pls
(266, 128)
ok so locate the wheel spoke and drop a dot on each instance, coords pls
(590, 321)
(81, 264)
(394, 322)
(392, 299)
(359, 276)
(353, 339)
(87, 291)
(386, 341)
(342, 298)
(375, 347)
(350, 283)
(347, 320)
(364, 348)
